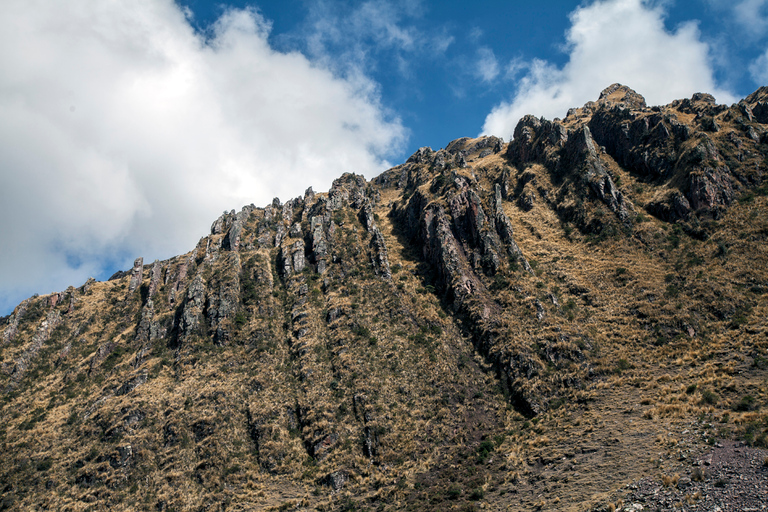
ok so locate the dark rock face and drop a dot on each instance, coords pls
(573, 160)
(460, 244)
(581, 152)
(710, 189)
(644, 144)
(654, 144)
(537, 140)
(671, 208)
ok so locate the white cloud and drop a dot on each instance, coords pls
(515, 67)
(753, 16)
(759, 69)
(124, 133)
(612, 41)
(350, 40)
(487, 66)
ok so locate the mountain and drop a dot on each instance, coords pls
(574, 320)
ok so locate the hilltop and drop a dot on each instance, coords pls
(574, 320)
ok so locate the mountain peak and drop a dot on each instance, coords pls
(487, 326)
(618, 93)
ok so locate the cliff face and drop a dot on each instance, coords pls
(450, 331)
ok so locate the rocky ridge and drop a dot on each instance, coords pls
(418, 339)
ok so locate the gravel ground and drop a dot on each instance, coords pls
(732, 477)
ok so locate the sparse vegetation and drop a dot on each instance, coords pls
(709, 397)
(463, 382)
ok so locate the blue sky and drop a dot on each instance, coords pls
(126, 127)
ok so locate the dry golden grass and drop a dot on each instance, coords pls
(648, 335)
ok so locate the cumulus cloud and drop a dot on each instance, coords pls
(487, 66)
(123, 132)
(612, 41)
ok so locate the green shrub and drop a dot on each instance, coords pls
(476, 494)
(45, 464)
(745, 404)
(453, 492)
(623, 365)
(709, 397)
(485, 449)
(672, 290)
(361, 331)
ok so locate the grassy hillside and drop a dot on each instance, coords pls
(522, 326)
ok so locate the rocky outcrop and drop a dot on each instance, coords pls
(192, 309)
(319, 243)
(71, 293)
(348, 189)
(377, 245)
(537, 140)
(449, 244)
(572, 159)
(234, 224)
(232, 239)
(647, 145)
(504, 229)
(155, 278)
(582, 154)
(179, 279)
(709, 189)
(292, 258)
(481, 147)
(87, 285)
(223, 300)
(654, 144)
(13, 324)
(670, 208)
(456, 155)
(143, 330)
(441, 248)
(483, 233)
(222, 223)
(423, 155)
(41, 336)
(136, 275)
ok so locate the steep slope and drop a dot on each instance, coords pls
(487, 325)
